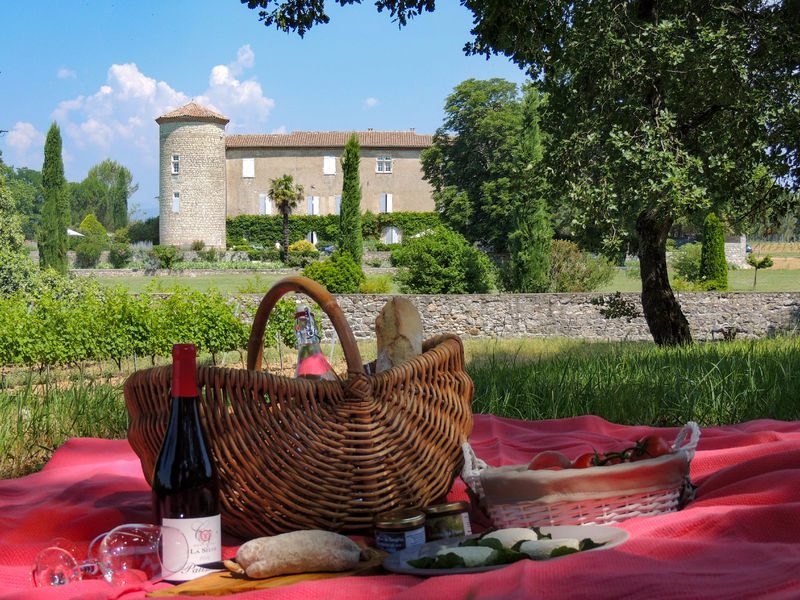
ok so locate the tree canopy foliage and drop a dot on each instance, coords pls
(657, 110)
(104, 193)
(286, 195)
(484, 158)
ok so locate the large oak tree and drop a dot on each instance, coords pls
(657, 109)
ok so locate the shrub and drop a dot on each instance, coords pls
(165, 257)
(210, 255)
(713, 266)
(442, 262)
(198, 245)
(685, 261)
(90, 226)
(339, 273)
(572, 270)
(380, 284)
(87, 252)
(144, 231)
(301, 253)
(120, 255)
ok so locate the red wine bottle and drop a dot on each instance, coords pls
(185, 486)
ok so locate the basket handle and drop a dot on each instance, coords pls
(315, 291)
(687, 439)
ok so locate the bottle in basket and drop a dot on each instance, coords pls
(185, 485)
(311, 361)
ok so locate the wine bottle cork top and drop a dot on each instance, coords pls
(184, 370)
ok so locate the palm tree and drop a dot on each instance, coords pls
(285, 194)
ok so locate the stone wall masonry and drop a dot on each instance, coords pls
(754, 315)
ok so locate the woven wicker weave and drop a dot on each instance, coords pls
(297, 454)
(592, 496)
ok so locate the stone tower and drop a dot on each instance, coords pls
(192, 177)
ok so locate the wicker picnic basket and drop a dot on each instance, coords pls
(304, 454)
(513, 496)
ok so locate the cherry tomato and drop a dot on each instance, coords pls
(584, 461)
(549, 459)
(651, 446)
(613, 458)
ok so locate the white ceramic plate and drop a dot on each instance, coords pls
(398, 562)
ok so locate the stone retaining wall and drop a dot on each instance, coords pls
(754, 315)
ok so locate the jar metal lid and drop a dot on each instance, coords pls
(442, 509)
(403, 518)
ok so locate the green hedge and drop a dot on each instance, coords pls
(68, 325)
(265, 230)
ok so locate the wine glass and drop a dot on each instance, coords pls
(131, 553)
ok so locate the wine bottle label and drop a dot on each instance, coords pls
(204, 537)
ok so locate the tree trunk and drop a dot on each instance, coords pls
(663, 314)
(285, 248)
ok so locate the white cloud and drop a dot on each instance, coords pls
(26, 144)
(64, 73)
(118, 119)
(280, 130)
(371, 102)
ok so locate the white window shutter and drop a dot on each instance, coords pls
(316, 206)
(262, 204)
(248, 167)
(329, 165)
(268, 210)
(338, 204)
(309, 205)
(388, 203)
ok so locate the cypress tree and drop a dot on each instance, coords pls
(713, 266)
(120, 195)
(529, 264)
(52, 238)
(350, 237)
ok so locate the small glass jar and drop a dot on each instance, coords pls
(447, 521)
(399, 529)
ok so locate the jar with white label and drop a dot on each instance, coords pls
(399, 529)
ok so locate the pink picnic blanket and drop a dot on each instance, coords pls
(740, 537)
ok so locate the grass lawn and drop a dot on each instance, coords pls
(624, 382)
(740, 280)
(227, 282)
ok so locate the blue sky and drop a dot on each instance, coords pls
(104, 70)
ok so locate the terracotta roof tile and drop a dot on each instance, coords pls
(330, 139)
(192, 111)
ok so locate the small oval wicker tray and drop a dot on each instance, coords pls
(513, 496)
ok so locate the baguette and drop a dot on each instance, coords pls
(398, 328)
(305, 551)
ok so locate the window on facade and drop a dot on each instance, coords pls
(383, 164)
(329, 165)
(176, 202)
(386, 203)
(311, 236)
(248, 167)
(312, 205)
(264, 204)
(391, 235)
(176, 164)
(338, 204)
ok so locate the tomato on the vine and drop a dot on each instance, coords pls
(651, 446)
(585, 460)
(550, 459)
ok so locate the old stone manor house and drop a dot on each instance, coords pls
(206, 176)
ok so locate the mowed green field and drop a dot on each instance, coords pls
(740, 280)
(227, 282)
